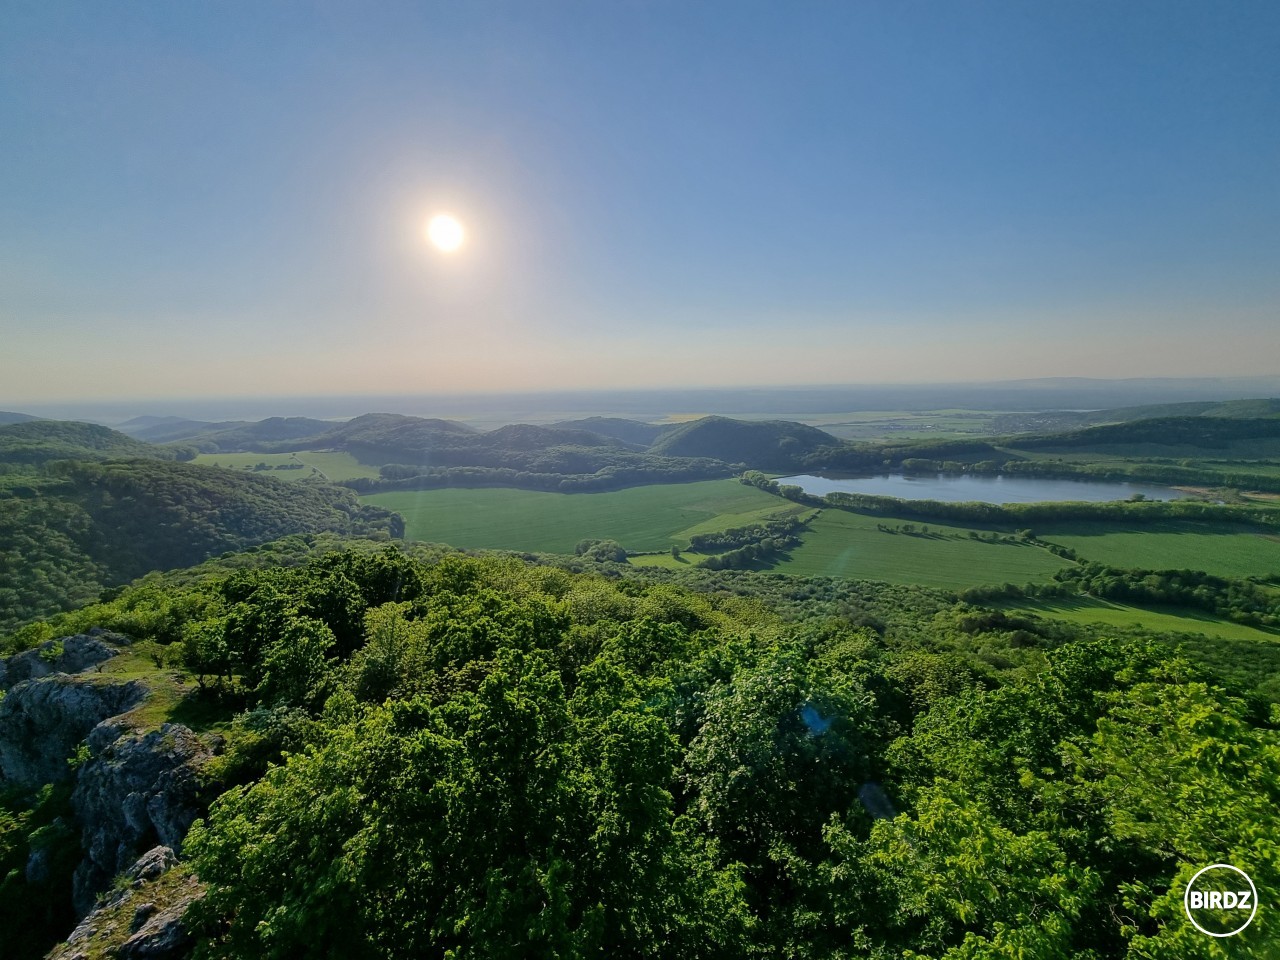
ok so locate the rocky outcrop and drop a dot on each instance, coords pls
(67, 655)
(143, 918)
(44, 721)
(135, 792)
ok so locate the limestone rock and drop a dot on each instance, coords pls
(140, 791)
(163, 936)
(67, 655)
(143, 919)
(152, 864)
(43, 721)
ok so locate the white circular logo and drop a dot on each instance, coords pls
(1217, 897)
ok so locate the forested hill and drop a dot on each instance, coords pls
(8, 416)
(34, 442)
(521, 446)
(599, 454)
(635, 432)
(272, 430)
(376, 431)
(575, 447)
(477, 757)
(415, 453)
(81, 526)
(594, 453)
(764, 444)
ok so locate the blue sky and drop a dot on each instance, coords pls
(228, 198)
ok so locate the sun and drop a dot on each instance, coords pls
(446, 233)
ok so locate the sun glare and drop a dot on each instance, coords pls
(445, 233)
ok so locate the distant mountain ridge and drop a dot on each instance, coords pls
(171, 429)
(224, 437)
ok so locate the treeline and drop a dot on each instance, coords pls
(641, 470)
(481, 758)
(1240, 600)
(1208, 433)
(1147, 471)
(1023, 514)
(858, 457)
(780, 528)
(743, 548)
(748, 555)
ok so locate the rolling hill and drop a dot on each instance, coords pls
(764, 444)
(83, 526)
(634, 432)
(35, 442)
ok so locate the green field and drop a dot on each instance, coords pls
(332, 464)
(640, 518)
(844, 544)
(1235, 551)
(1158, 620)
(837, 544)
(890, 425)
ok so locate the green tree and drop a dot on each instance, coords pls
(296, 669)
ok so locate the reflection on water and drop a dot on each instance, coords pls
(965, 488)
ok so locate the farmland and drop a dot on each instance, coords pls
(837, 543)
(654, 518)
(1226, 551)
(844, 544)
(1094, 610)
(640, 518)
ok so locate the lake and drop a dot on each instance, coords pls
(964, 488)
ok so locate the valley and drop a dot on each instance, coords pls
(391, 556)
(640, 480)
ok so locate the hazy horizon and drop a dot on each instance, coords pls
(794, 401)
(198, 201)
